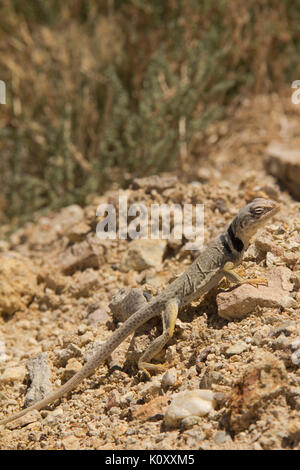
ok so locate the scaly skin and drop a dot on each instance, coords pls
(213, 263)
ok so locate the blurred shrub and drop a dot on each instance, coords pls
(98, 92)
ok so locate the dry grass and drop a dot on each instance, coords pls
(100, 91)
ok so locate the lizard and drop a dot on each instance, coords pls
(214, 262)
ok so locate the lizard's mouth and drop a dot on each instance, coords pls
(274, 210)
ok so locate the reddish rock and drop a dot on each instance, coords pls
(254, 390)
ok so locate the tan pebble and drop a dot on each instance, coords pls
(13, 374)
(70, 443)
(152, 389)
(169, 378)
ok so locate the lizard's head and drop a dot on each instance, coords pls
(252, 217)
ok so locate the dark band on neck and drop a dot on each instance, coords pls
(225, 244)
(237, 244)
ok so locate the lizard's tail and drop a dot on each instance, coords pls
(135, 321)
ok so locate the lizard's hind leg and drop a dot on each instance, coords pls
(169, 316)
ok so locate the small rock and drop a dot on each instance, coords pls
(280, 343)
(295, 278)
(158, 279)
(152, 389)
(204, 174)
(201, 358)
(39, 374)
(78, 232)
(126, 399)
(293, 433)
(295, 344)
(189, 403)
(271, 259)
(221, 437)
(288, 302)
(295, 357)
(142, 254)
(72, 367)
(84, 283)
(70, 443)
(13, 374)
(64, 355)
(98, 317)
(286, 328)
(126, 302)
(221, 205)
(86, 338)
(169, 378)
(82, 255)
(264, 244)
(236, 348)
(113, 400)
(293, 397)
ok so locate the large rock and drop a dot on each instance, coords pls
(284, 163)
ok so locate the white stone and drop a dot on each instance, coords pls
(189, 403)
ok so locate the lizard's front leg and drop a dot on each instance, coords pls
(169, 316)
(233, 276)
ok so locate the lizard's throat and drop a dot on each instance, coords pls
(236, 242)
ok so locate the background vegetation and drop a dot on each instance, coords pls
(100, 91)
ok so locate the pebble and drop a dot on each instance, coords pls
(142, 254)
(236, 348)
(285, 328)
(70, 443)
(295, 357)
(39, 374)
(98, 317)
(295, 344)
(221, 437)
(72, 367)
(169, 378)
(13, 374)
(126, 302)
(189, 403)
(280, 343)
(126, 399)
(151, 389)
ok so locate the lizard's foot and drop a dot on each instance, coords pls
(256, 281)
(146, 366)
(235, 277)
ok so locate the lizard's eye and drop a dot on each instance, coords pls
(258, 211)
